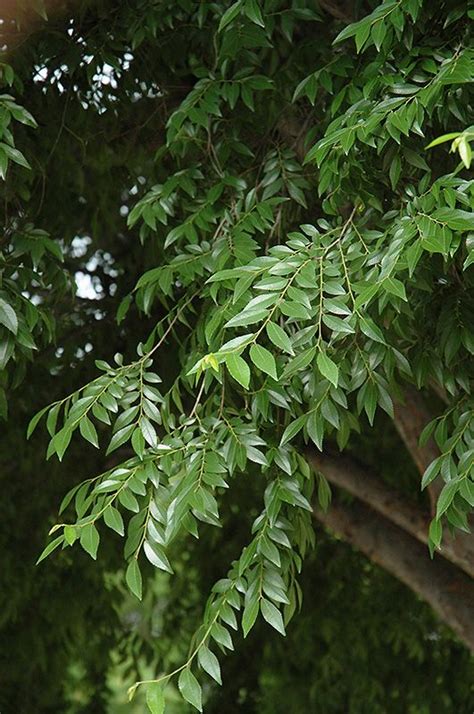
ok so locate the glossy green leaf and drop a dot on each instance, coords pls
(210, 663)
(328, 368)
(88, 431)
(250, 614)
(264, 360)
(113, 519)
(279, 337)
(190, 688)
(89, 539)
(133, 578)
(238, 368)
(155, 698)
(50, 547)
(8, 317)
(273, 616)
(156, 556)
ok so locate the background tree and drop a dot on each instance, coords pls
(260, 196)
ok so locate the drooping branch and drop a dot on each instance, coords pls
(366, 486)
(447, 590)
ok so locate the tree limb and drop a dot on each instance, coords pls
(448, 591)
(366, 486)
(336, 10)
(410, 419)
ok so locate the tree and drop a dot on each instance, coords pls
(261, 193)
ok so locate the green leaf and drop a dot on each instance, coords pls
(210, 663)
(465, 152)
(250, 615)
(435, 532)
(455, 218)
(278, 336)
(467, 491)
(264, 360)
(370, 329)
(328, 368)
(273, 616)
(229, 15)
(237, 343)
(315, 428)
(238, 368)
(113, 519)
(362, 35)
(222, 636)
(378, 32)
(431, 472)
(15, 155)
(8, 316)
(293, 428)
(301, 361)
(155, 698)
(253, 12)
(123, 308)
(120, 437)
(446, 496)
(442, 139)
(60, 442)
(157, 557)
(190, 688)
(347, 32)
(90, 539)
(133, 578)
(128, 500)
(395, 287)
(70, 534)
(324, 493)
(148, 431)
(50, 547)
(52, 419)
(247, 317)
(88, 431)
(34, 421)
(394, 172)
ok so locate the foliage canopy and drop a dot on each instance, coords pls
(264, 195)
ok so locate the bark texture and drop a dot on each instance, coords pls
(410, 419)
(393, 532)
(366, 486)
(340, 10)
(444, 587)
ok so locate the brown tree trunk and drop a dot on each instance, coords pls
(364, 485)
(339, 10)
(410, 419)
(447, 590)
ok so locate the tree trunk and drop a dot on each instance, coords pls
(410, 419)
(370, 489)
(447, 590)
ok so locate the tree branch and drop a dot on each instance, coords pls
(338, 10)
(410, 419)
(448, 591)
(366, 486)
